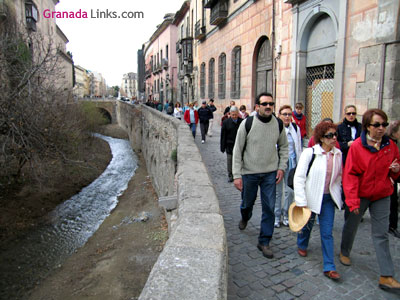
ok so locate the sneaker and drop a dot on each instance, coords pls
(394, 232)
(266, 250)
(285, 222)
(277, 224)
(242, 225)
(202, 141)
(344, 260)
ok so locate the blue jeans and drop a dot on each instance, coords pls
(326, 218)
(267, 183)
(193, 128)
(288, 193)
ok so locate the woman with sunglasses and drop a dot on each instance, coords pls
(320, 191)
(371, 167)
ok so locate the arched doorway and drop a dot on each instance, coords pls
(262, 66)
(319, 46)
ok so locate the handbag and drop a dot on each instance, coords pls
(293, 171)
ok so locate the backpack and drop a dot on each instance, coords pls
(170, 110)
(293, 171)
(249, 123)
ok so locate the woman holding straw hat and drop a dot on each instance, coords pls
(320, 191)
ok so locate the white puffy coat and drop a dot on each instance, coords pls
(309, 190)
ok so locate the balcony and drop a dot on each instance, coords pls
(178, 46)
(187, 49)
(188, 68)
(164, 63)
(200, 30)
(219, 12)
(210, 3)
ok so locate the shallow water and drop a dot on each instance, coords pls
(27, 261)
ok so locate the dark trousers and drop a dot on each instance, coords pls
(394, 213)
(204, 129)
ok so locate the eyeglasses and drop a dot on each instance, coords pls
(286, 115)
(267, 103)
(376, 125)
(330, 135)
(351, 113)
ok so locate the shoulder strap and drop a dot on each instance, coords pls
(247, 125)
(311, 161)
(280, 123)
(294, 125)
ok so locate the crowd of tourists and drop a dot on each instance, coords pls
(352, 166)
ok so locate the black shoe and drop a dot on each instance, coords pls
(394, 232)
(266, 250)
(242, 225)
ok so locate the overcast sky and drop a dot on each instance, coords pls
(109, 45)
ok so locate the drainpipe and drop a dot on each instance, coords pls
(382, 74)
(273, 51)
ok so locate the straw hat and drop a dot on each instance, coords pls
(298, 217)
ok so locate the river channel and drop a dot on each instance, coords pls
(27, 261)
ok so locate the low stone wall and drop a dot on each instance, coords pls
(193, 264)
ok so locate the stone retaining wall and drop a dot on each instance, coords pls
(193, 264)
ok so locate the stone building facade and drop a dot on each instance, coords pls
(160, 62)
(324, 53)
(129, 85)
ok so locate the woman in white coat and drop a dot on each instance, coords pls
(320, 191)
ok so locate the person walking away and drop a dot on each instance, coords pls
(213, 108)
(300, 119)
(228, 108)
(178, 111)
(295, 148)
(191, 117)
(372, 165)
(259, 160)
(205, 114)
(348, 131)
(393, 132)
(228, 136)
(170, 109)
(320, 191)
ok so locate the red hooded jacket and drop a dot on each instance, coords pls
(366, 173)
(302, 124)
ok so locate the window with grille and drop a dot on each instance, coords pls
(203, 80)
(221, 76)
(211, 67)
(235, 81)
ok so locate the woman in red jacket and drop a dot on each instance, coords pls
(191, 117)
(371, 167)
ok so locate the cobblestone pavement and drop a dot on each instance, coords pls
(287, 275)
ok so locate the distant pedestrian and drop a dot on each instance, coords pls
(255, 111)
(228, 136)
(186, 107)
(372, 165)
(170, 108)
(242, 112)
(228, 108)
(320, 191)
(205, 114)
(300, 119)
(311, 142)
(178, 111)
(259, 160)
(295, 148)
(213, 109)
(191, 118)
(393, 132)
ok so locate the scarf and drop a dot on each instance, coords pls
(298, 116)
(351, 124)
(264, 119)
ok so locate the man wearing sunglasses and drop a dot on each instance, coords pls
(348, 130)
(261, 163)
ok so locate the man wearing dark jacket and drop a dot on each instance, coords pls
(228, 136)
(205, 114)
(348, 130)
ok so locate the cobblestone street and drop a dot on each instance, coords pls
(287, 275)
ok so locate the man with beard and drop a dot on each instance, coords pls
(260, 156)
